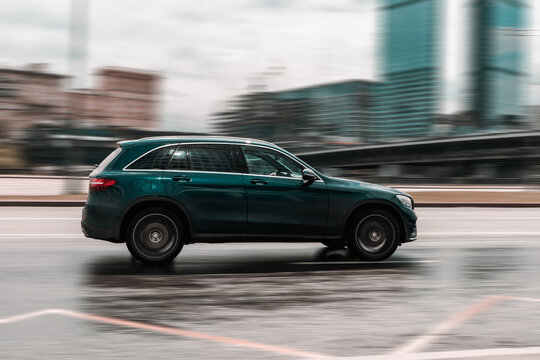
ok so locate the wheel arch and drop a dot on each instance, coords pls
(154, 201)
(376, 204)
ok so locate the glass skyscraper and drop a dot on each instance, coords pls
(497, 61)
(408, 98)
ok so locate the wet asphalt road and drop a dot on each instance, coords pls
(470, 282)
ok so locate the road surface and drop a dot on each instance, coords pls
(467, 289)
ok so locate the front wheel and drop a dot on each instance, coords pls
(155, 236)
(373, 235)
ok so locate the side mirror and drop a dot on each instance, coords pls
(309, 176)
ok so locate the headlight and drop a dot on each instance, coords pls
(405, 200)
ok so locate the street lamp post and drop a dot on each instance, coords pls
(77, 59)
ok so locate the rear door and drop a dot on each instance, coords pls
(207, 180)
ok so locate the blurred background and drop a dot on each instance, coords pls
(395, 91)
(439, 98)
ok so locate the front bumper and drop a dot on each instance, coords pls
(412, 236)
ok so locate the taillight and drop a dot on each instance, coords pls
(97, 184)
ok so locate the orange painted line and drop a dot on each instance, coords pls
(194, 335)
(422, 341)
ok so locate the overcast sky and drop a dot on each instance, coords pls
(210, 51)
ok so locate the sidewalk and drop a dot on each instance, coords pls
(22, 190)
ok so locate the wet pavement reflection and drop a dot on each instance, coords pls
(302, 297)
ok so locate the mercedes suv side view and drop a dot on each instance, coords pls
(159, 194)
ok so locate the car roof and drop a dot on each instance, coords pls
(163, 140)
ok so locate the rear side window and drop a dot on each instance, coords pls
(155, 160)
(215, 158)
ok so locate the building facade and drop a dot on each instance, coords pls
(498, 62)
(340, 112)
(122, 97)
(408, 97)
(28, 95)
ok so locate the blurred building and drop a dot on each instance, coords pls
(408, 98)
(122, 97)
(336, 113)
(498, 62)
(28, 95)
(533, 114)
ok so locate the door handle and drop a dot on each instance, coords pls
(181, 178)
(259, 181)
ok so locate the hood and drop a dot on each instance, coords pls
(362, 185)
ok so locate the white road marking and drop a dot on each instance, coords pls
(487, 218)
(523, 298)
(459, 354)
(475, 233)
(29, 315)
(38, 235)
(21, 218)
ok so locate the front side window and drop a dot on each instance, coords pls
(215, 158)
(154, 160)
(179, 160)
(262, 161)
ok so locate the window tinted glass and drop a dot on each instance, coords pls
(220, 158)
(157, 159)
(179, 159)
(109, 159)
(269, 162)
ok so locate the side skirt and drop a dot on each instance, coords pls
(224, 238)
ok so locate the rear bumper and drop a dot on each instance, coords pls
(97, 232)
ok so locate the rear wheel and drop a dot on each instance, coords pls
(155, 236)
(373, 235)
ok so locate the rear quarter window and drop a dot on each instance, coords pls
(103, 165)
(157, 159)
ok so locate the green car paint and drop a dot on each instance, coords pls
(222, 189)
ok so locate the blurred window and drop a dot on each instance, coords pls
(179, 159)
(215, 158)
(155, 160)
(262, 161)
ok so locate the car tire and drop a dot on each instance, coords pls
(373, 235)
(334, 244)
(155, 236)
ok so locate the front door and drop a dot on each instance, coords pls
(279, 201)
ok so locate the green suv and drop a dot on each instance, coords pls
(159, 194)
